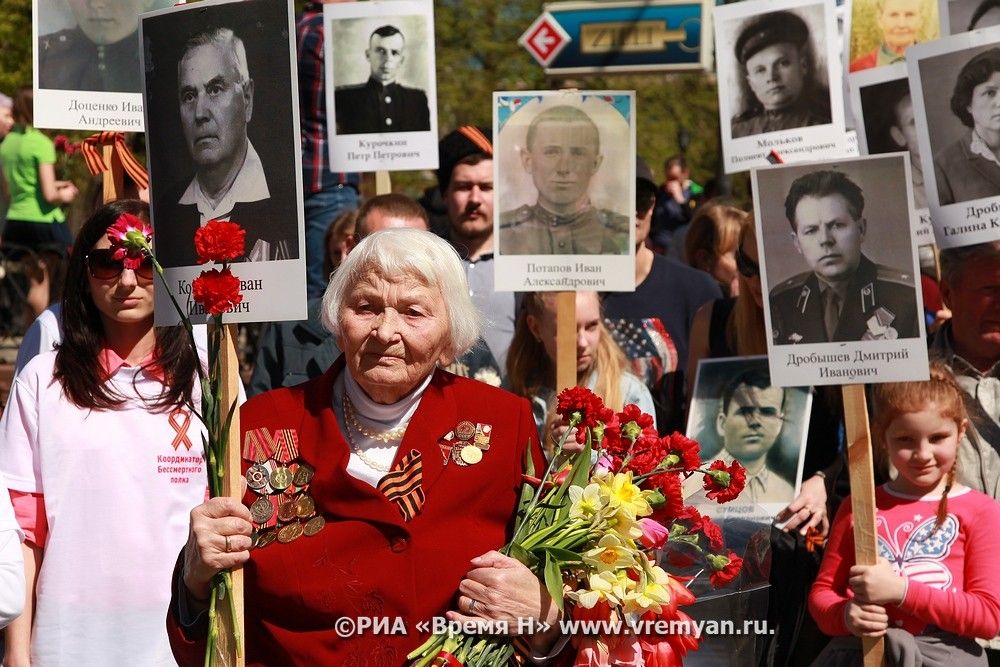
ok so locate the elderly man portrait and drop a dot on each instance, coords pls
(382, 104)
(844, 296)
(101, 53)
(784, 92)
(899, 24)
(216, 103)
(562, 154)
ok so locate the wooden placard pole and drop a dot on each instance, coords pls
(383, 184)
(232, 487)
(565, 340)
(114, 183)
(862, 474)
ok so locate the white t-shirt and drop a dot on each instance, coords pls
(11, 562)
(119, 486)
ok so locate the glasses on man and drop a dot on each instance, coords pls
(764, 413)
(746, 266)
(102, 265)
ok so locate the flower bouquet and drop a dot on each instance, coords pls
(216, 291)
(591, 530)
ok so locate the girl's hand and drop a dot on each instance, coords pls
(808, 510)
(558, 427)
(877, 584)
(866, 620)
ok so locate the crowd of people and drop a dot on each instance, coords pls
(407, 339)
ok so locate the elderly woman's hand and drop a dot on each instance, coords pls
(808, 510)
(499, 588)
(218, 540)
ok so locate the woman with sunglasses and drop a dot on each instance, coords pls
(104, 461)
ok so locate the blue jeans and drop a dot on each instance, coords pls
(321, 209)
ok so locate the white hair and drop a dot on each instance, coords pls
(227, 39)
(394, 253)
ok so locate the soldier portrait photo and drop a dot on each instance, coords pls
(86, 45)
(736, 414)
(562, 169)
(889, 123)
(380, 85)
(838, 252)
(216, 149)
(778, 78)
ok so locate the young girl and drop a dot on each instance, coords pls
(934, 587)
(600, 363)
(104, 463)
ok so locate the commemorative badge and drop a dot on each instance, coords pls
(283, 510)
(878, 326)
(466, 443)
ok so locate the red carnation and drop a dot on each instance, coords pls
(219, 241)
(724, 568)
(217, 291)
(583, 408)
(723, 482)
(682, 451)
(711, 531)
(669, 484)
(634, 420)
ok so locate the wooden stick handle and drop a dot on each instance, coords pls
(565, 340)
(862, 473)
(383, 184)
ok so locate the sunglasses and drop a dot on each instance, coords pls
(746, 266)
(103, 266)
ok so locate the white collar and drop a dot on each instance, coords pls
(250, 185)
(391, 415)
(978, 147)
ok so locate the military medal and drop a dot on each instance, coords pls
(290, 532)
(281, 478)
(262, 510)
(878, 326)
(470, 454)
(262, 538)
(257, 477)
(305, 506)
(286, 510)
(303, 474)
(314, 525)
(465, 430)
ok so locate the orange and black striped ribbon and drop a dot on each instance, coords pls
(481, 141)
(91, 149)
(402, 485)
(286, 445)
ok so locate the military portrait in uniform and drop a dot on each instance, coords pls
(218, 149)
(838, 252)
(86, 45)
(882, 30)
(737, 414)
(565, 160)
(782, 86)
(884, 106)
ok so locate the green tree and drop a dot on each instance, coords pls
(15, 45)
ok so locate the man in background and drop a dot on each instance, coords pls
(676, 200)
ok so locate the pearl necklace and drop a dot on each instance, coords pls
(387, 437)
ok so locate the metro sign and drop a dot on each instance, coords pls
(544, 39)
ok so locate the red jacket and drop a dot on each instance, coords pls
(367, 561)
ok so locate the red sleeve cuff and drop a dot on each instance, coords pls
(29, 511)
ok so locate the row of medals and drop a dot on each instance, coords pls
(283, 491)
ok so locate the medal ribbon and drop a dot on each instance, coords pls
(402, 485)
(286, 445)
(91, 149)
(180, 420)
(257, 445)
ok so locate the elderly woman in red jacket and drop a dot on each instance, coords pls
(400, 481)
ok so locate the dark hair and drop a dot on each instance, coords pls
(386, 31)
(393, 204)
(675, 161)
(976, 71)
(77, 366)
(562, 114)
(824, 184)
(752, 377)
(24, 106)
(645, 196)
(984, 6)
(955, 260)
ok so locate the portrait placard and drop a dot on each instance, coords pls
(381, 92)
(87, 74)
(958, 16)
(884, 109)
(882, 30)
(221, 104)
(780, 82)
(838, 265)
(564, 190)
(961, 152)
(737, 414)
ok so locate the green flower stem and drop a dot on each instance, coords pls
(227, 580)
(213, 630)
(532, 540)
(185, 320)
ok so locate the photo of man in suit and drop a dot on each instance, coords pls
(382, 104)
(844, 296)
(562, 154)
(216, 104)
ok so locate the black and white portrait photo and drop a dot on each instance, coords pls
(884, 106)
(737, 414)
(838, 260)
(778, 73)
(223, 140)
(382, 82)
(88, 74)
(958, 16)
